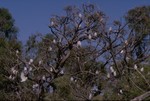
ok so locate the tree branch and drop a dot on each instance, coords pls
(141, 97)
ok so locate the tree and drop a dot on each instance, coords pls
(138, 20)
(82, 59)
(7, 28)
(9, 48)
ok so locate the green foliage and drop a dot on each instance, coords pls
(8, 59)
(7, 24)
(85, 67)
(139, 20)
(64, 90)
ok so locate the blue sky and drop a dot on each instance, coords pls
(33, 16)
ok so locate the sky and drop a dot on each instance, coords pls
(33, 16)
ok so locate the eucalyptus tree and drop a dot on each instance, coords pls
(7, 27)
(8, 59)
(82, 58)
(138, 20)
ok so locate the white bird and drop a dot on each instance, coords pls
(114, 73)
(17, 51)
(135, 67)
(126, 42)
(95, 34)
(54, 41)
(23, 77)
(80, 26)
(121, 91)
(40, 62)
(80, 15)
(25, 69)
(110, 29)
(89, 36)
(97, 72)
(108, 75)
(75, 80)
(111, 69)
(62, 71)
(11, 77)
(14, 71)
(51, 69)
(35, 86)
(50, 48)
(122, 51)
(90, 96)
(30, 61)
(142, 69)
(71, 79)
(43, 78)
(52, 23)
(79, 43)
